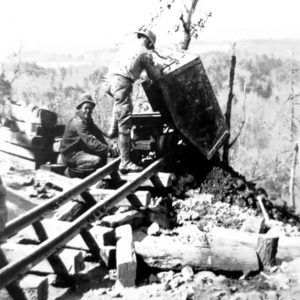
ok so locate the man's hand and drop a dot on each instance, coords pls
(113, 149)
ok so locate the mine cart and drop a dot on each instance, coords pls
(186, 103)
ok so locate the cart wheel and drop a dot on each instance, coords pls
(165, 143)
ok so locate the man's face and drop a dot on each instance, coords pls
(87, 110)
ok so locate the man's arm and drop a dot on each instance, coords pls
(153, 71)
(89, 139)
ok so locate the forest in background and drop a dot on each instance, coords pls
(266, 90)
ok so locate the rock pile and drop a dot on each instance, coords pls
(233, 198)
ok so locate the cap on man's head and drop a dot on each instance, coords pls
(149, 34)
(85, 98)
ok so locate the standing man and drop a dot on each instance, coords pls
(83, 146)
(125, 70)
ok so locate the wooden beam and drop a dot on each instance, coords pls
(126, 257)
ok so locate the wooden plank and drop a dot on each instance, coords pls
(126, 257)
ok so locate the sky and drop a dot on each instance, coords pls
(80, 25)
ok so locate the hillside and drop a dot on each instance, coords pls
(266, 74)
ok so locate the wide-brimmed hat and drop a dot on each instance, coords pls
(149, 34)
(85, 98)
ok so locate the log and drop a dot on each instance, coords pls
(171, 253)
(288, 247)
(73, 259)
(266, 250)
(125, 256)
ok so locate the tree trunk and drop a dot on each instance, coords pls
(170, 253)
(226, 146)
(292, 177)
(267, 250)
(288, 246)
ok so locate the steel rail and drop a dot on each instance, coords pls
(37, 213)
(15, 269)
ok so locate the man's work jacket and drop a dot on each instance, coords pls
(82, 134)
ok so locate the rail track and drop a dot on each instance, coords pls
(49, 248)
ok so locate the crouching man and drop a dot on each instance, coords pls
(83, 146)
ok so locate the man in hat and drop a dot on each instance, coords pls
(83, 146)
(125, 70)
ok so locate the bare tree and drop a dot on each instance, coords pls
(190, 26)
(226, 146)
(293, 128)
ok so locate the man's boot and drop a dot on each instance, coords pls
(126, 165)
